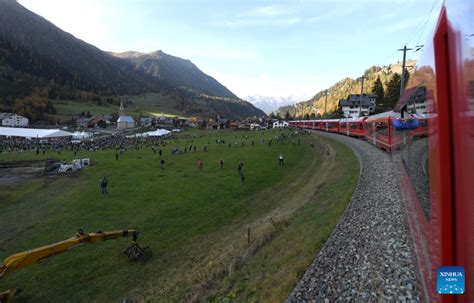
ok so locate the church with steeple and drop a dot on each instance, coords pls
(124, 121)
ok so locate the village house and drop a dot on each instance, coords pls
(356, 105)
(82, 122)
(146, 121)
(97, 121)
(13, 120)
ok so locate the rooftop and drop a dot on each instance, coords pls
(126, 119)
(355, 100)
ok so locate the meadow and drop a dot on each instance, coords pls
(150, 104)
(195, 220)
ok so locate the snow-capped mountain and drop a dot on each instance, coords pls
(270, 104)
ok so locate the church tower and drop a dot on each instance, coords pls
(121, 110)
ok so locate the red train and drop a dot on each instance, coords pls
(434, 153)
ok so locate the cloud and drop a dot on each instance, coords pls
(263, 12)
(80, 18)
(263, 15)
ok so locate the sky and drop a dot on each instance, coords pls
(268, 48)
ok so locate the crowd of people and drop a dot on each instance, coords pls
(184, 144)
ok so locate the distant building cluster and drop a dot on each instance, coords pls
(125, 122)
(13, 120)
(357, 105)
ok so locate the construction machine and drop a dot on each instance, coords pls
(29, 257)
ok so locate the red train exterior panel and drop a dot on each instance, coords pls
(436, 159)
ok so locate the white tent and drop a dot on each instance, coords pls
(158, 133)
(80, 135)
(137, 135)
(33, 132)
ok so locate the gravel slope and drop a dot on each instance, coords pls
(368, 257)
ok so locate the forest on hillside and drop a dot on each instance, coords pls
(383, 81)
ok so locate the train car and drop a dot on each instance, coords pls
(436, 161)
(330, 125)
(378, 130)
(307, 124)
(296, 123)
(422, 129)
(352, 127)
(318, 124)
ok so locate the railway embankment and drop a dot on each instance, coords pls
(368, 257)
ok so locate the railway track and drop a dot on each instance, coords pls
(368, 256)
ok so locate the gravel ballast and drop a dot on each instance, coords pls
(368, 257)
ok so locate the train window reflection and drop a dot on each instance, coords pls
(414, 152)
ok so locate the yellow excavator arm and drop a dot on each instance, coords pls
(23, 259)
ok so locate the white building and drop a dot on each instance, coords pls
(356, 106)
(13, 120)
(280, 124)
(123, 121)
(256, 126)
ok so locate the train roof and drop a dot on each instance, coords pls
(391, 114)
(329, 120)
(358, 119)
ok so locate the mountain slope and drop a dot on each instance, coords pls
(341, 89)
(38, 58)
(271, 104)
(34, 50)
(178, 72)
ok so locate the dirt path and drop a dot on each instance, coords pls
(15, 172)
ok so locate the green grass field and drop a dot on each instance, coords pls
(195, 221)
(147, 104)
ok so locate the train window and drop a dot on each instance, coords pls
(381, 128)
(414, 154)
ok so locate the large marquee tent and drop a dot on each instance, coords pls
(155, 133)
(33, 132)
(158, 133)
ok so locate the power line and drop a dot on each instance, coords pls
(402, 82)
(422, 25)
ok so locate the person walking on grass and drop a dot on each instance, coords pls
(222, 164)
(200, 164)
(280, 160)
(162, 163)
(240, 169)
(103, 185)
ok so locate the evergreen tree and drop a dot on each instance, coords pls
(378, 89)
(287, 115)
(393, 92)
(407, 77)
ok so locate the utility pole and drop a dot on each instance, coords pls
(402, 82)
(361, 93)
